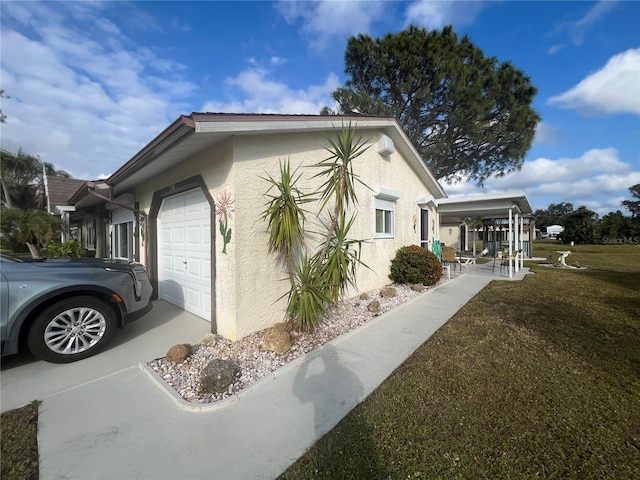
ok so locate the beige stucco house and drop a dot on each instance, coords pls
(165, 208)
(160, 208)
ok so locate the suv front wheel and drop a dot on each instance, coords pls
(72, 329)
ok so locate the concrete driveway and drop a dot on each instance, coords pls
(25, 379)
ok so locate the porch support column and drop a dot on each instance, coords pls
(517, 241)
(522, 242)
(510, 233)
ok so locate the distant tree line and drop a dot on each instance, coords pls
(584, 226)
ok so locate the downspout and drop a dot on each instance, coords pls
(139, 214)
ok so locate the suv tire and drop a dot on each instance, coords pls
(72, 329)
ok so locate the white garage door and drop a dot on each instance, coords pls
(184, 252)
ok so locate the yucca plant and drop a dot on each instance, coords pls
(286, 217)
(307, 299)
(338, 266)
(339, 185)
(320, 279)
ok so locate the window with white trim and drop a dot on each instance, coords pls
(123, 240)
(385, 213)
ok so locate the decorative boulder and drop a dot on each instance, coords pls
(417, 287)
(178, 353)
(209, 340)
(387, 292)
(278, 341)
(217, 375)
(364, 296)
(374, 307)
(281, 327)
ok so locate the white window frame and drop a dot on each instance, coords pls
(91, 234)
(385, 203)
(118, 230)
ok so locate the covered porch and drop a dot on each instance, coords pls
(505, 221)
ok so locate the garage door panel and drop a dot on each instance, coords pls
(195, 299)
(195, 268)
(186, 252)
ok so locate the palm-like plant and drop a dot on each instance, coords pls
(340, 178)
(338, 266)
(286, 217)
(320, 279)
(308, 298)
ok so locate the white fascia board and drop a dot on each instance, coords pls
(275, 126)
(501, 201)
(65, 208)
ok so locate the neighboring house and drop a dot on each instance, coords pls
(58, 191)
(160, 208)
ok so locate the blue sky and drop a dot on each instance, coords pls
(91, 83)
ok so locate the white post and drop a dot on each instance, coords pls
(517, 241)
(510, 242)
(522, 242)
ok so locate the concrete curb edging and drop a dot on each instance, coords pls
(180, 402)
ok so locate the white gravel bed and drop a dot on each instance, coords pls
(255, 363)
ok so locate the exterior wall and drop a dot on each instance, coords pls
(450, 239)
(215, 166)
(249, 282)
(260, 281)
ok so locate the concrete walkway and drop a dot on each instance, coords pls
(125, 426)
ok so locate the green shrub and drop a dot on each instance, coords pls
(70, 249)
(414, 264)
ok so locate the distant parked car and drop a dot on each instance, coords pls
(65, 310)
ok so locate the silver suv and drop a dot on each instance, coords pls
(65, 310)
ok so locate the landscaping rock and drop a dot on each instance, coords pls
(217, 375)
(278, 341)
(374, 307)
(418, 287)
(178, 353)
(364, 296)
(209, 340)
(388, 292)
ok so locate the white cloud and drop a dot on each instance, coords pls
(437, 14)
(546, 134)
(85, 105)
(615, 88)
(577, 31)
(592, 179)
(325, 20)
(255, 92)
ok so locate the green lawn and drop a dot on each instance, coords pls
(531, 379)
(19, 443)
